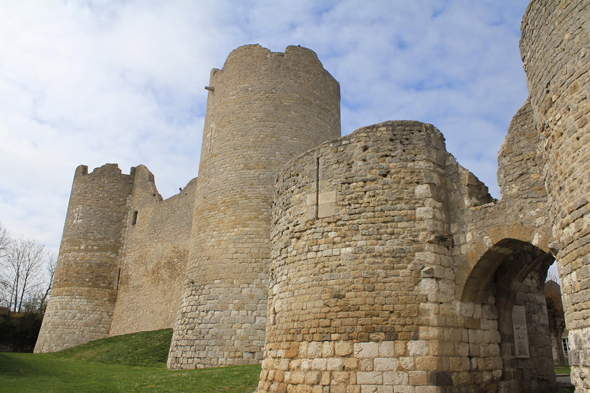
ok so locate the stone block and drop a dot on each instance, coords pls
(385, 364)
(395, 378)
(312, 377)
(386, 349)
(343, 349)
(319, 364)
(418, 378)
(335, 364)
(418, 348)
(369, 378)
(366, 350)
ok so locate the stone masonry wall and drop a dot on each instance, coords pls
(151, 275)
(555, 48)
(534, 374)
(497, 247)
(520, 172)
(393, 269)
(352, 225)
(84, 288)
(263, 109)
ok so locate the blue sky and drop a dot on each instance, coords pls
(95, 82)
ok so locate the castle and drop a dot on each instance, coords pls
(367, 263)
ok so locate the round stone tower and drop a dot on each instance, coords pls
(263, 109)
(85, 286)
(352, 225)
(555, 50)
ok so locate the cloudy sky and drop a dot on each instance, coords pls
(95, 82)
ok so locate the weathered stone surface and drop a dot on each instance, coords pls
(266, 108)
(384, 264)
(85, 284)
(154, 258)
(555, 51)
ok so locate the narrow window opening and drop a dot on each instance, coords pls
(564, 342)
(118, 279)
(134, 219)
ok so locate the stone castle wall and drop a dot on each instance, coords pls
(361, 274)
(154, 256)
(375, 238)
(378, 265)
(520, 161)
(122, 260)
(555, 48)
(501, 255)
(350, 225)
(84, 289)
(263, 109)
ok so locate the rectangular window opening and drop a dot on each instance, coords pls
(134, 219)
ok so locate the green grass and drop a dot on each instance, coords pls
(130, 363)
(146, 349)
(562, 369)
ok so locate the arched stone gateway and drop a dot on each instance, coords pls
(507, 285)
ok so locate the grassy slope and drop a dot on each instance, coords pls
(130, 363)
(147, 349)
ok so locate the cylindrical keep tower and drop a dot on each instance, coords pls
(263, 109)
(352, 225)
(84, 288)
(555, 49)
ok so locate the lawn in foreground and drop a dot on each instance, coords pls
(25, 372)
(129, 363)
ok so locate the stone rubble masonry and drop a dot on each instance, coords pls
(347, 282)
(555, 49)
(404, 232)
(520, 160)
(122, 258)
(154, 256)
(84, 289)
(263, 109)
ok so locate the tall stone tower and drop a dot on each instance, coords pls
(555, 50)
(85, 285)
(264, 108)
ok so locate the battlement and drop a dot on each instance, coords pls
(250, 54)
(105, 170)
(249, 60)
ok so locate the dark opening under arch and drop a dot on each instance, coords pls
(514, 272)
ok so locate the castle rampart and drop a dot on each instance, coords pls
(154, 257)
(86, 278)
(263, 109)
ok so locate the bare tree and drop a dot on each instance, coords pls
(50, 270)
(4, 241)
(21, 270)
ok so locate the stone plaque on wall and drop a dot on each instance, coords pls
(521, 339)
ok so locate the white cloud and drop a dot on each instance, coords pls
(89, 82)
